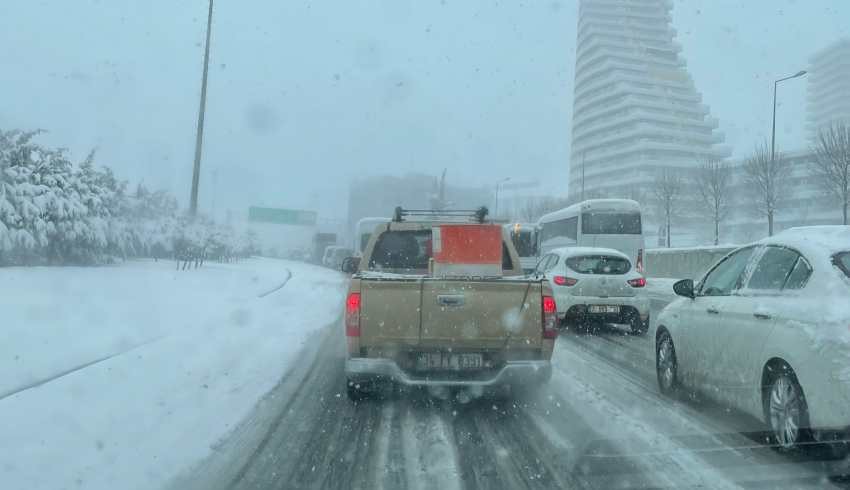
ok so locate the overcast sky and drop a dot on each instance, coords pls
(304, 95)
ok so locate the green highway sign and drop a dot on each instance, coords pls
(281, 216)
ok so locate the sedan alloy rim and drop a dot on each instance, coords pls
(666, 362)
(785, 411)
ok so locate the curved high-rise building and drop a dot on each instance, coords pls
(635, 107)
(829, 88)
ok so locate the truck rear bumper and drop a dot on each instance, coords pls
(361, 369)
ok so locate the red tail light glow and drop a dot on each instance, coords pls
(550, 318)
(564, 281)
(637, 283)
(352, 315)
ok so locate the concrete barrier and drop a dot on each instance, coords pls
(683, 263)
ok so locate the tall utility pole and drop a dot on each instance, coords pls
(214, 190)
(199, 138)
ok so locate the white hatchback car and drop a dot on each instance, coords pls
(595, 285)
(767, 331)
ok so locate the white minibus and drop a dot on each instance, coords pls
(607, 223)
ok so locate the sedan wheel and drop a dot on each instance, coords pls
(665, 364)
(787, 411)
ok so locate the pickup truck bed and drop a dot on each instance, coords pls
(406, 326)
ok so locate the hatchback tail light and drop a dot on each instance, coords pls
(550, 318)
(564, 281)
(637, 283)
(352, 315)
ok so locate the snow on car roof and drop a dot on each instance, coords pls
(826, 304)
(580, 251)
(813, 240)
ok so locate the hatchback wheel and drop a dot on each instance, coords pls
(665, 364)
(638, 326)
(787, 412)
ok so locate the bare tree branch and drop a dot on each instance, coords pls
(667, 189)
(713, 178)
(832, 163)
(534, 208)
(768, 179)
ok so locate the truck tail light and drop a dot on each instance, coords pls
(639, 262)
(637, 283)
(550, 318)
(564, 281)
(352, 315)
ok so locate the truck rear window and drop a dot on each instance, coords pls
(402, 251)
(598, 264)
(408, 251)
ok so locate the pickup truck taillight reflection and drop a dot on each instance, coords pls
(352, 315)
(550, 318)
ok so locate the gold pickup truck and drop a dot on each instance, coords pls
(407, 326)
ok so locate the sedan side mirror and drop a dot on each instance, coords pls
(685, 288)
(350, 265)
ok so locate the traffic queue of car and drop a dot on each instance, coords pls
(766, 330)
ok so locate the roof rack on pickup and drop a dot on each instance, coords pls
(452, 215)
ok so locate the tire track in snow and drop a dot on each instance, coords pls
(279, 286)
(430, 457)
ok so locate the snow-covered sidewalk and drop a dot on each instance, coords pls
(122, 377)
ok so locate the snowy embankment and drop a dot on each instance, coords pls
(121, 377)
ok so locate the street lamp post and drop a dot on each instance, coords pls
(199, 137)
(773, 130)
(498, 186)
(773, 143)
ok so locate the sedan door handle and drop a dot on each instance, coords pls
(762, 316)
(713, 311)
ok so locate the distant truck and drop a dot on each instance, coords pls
(524, 238)
(321, 241)
(439, 304)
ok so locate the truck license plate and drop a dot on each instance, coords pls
(604, 309)
(444, 360)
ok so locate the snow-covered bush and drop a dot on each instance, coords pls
(56, 212)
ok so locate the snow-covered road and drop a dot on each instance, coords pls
(146, 377)
(125, 376)
(599, 424)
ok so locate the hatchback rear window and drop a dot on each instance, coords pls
(842, 261)
(598, 264)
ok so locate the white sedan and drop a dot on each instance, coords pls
(595, 285)
(767, 331)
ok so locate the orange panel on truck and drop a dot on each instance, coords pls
(468, 249)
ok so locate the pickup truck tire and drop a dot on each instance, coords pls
(355, 393)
